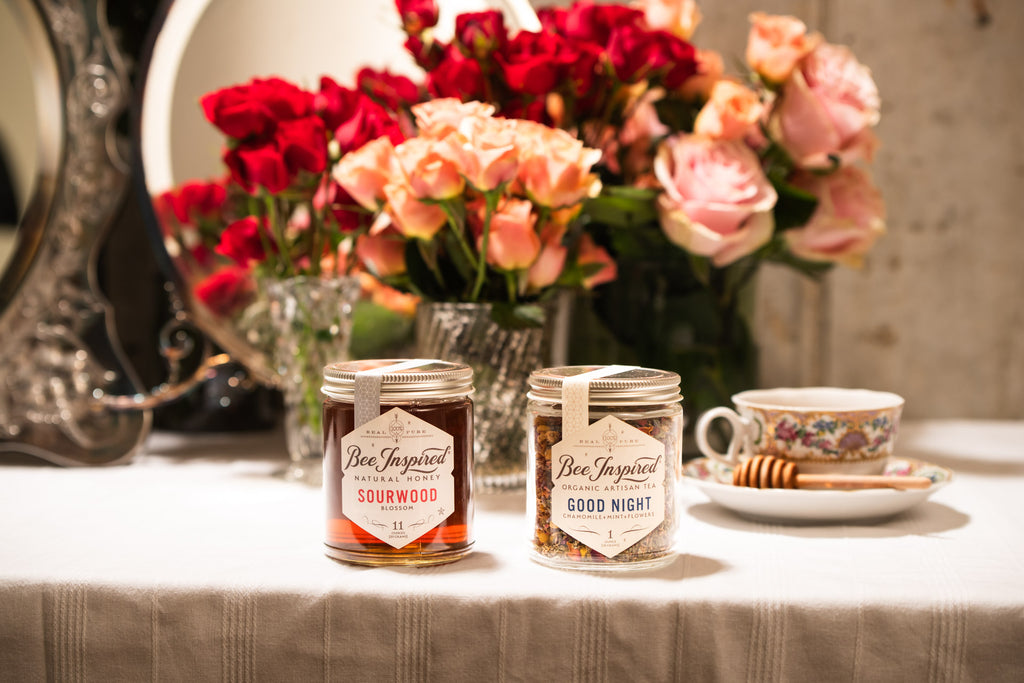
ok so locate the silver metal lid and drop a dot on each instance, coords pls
(635, 386)
(428, 379)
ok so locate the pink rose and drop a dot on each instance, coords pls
(732, 111)
(675, 16)
(591, 254)
(413, 218)
(364, 172)
(438, 118)
(485, 151)
(827, 108)
(717, 201)
(383, 253)
(513, 243)
(431, 175)
(777, 44)
(554, 166)
(849, 218)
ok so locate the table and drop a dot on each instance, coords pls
(197, 562)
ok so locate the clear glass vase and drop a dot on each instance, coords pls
(312, 321)
(502, 360)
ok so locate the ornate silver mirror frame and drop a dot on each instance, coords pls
(59, 357)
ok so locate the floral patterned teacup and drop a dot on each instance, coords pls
(824, 430)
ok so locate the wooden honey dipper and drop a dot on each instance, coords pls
(769, 472)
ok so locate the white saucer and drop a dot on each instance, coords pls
(797, 505)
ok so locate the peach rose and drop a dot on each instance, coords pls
(675, 16)
(554, 167)
(431, 175)
(710, 68)
(513, 243)
(717, 201)
(484, 150)
(590, 254)
(849, 218)
(730, 113)
(548, 267)
(364, 172)
(827, 108)
(383, 253)
(413, 218)
(437, 118)
(388, 297)
(777, 44)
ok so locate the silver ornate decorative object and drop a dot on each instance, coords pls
(59, 357)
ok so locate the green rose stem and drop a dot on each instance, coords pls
(457, 229)
(491, 204)
(275, 225)
(513, 288)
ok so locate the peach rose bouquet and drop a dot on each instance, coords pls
(476, 207)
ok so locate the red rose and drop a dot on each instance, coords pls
(252, 110)
(457, 76)
(197, 200)
(529, 108)
(255, 165)
(533, 63)
(243, 241)
(417, 15)
(584, 65)
(226, 290)
(354, 117)
(388, 89)
(596, 23)
(303, 143)
(480, 33)
(637, 54)
(553, 19)
(427, 54)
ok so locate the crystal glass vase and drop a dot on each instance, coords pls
(502, 359)
(312, 320)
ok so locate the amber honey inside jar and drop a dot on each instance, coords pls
(398, 458)
(603, 491)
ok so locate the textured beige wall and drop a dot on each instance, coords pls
(937, 313)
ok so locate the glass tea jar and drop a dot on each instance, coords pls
(398, 461)
(606, 448)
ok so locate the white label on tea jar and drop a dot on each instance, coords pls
(398, 477)
(608, 485)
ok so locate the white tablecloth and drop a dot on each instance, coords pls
(195, 562)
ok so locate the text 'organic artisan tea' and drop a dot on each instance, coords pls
(398, 458)
(606, 444)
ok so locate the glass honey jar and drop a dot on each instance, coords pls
(398, 461)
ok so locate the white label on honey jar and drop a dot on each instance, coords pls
(397, 479)
(608, 485)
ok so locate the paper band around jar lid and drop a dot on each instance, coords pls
(367, 388)
(576, 397)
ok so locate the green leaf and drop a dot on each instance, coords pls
(794, 207)
(517, 316)
(420, 273)
(622, 210)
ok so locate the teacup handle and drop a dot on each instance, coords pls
(740, 425)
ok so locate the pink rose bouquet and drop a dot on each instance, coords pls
(704, 175)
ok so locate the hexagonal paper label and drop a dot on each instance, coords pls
(398, 478)
(608, 485)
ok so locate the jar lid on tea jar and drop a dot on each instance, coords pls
(409, 380)
(631, 386)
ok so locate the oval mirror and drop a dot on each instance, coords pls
(199, 46)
